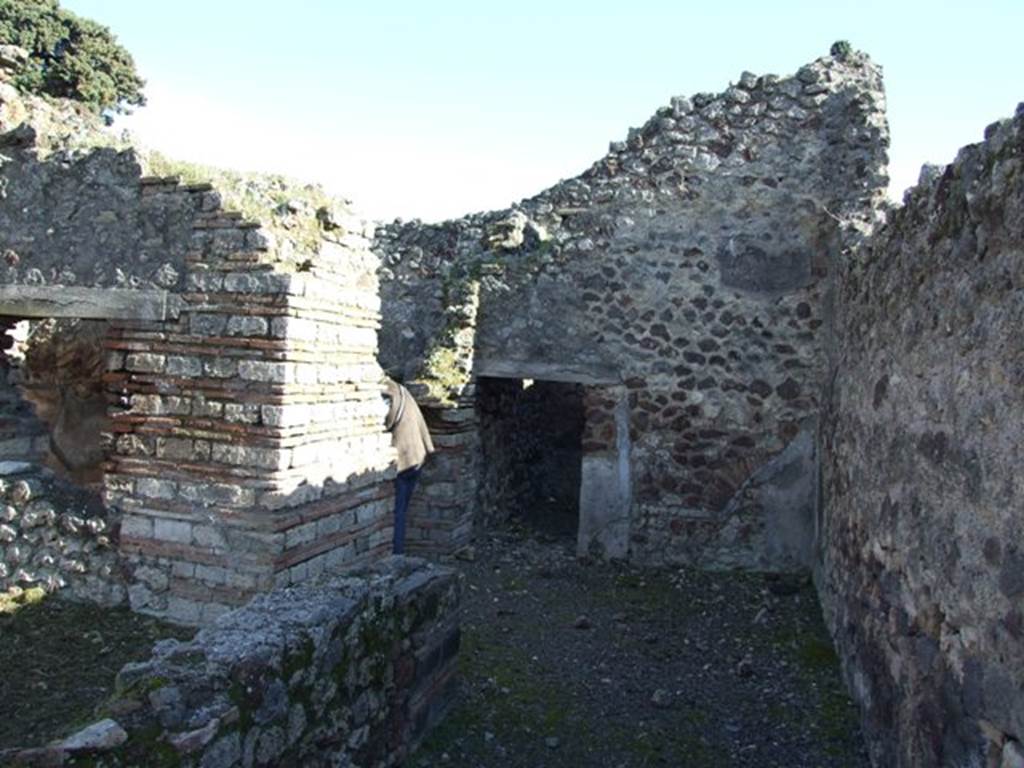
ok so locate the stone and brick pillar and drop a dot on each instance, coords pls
(249, 450)
(441, 512)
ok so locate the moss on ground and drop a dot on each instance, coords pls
(11, 602)
(670, 667)
(836, 719)
(521, 701)
(60, 659)
(658, 746)
(645, 592)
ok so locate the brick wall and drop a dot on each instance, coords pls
(443, 503)
(251, 451)
(247, 446)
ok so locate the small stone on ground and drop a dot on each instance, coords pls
(673, 669)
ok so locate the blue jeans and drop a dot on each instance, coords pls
(404, 483)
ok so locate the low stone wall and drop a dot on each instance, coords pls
(350, 669)
(55, 535)
(923, 564)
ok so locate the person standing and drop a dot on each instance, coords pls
(411, 438)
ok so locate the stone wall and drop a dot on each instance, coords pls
(504, 450)
(922, 572)
(689, 266)
(97, 191)
(247, 448)
(56, 535)
(344, 670)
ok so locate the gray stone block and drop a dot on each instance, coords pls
(205, 324)
(260, 370)
(143, 362)
(151, 487)
(247, 325)
(177, 365)
(177, 531)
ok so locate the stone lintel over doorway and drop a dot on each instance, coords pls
(25, 301)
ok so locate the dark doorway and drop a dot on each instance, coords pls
(531, 433)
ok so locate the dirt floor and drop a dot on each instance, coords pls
(564, 663)
(573, 664)
(59, 660)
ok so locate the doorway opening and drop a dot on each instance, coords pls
(531, 440)
(54, 401)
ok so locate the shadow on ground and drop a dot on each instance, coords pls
(59, 660)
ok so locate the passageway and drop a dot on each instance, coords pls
(54, 405)
(531, 435)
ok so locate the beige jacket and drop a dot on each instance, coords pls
(408, 429)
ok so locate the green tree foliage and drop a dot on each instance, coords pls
(70, 57)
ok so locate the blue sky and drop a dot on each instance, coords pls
(435, 109)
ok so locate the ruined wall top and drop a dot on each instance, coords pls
(688, 267)
(119, 218)
(807, 152)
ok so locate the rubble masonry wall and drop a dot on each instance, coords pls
(922, 571)
(688, 267)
